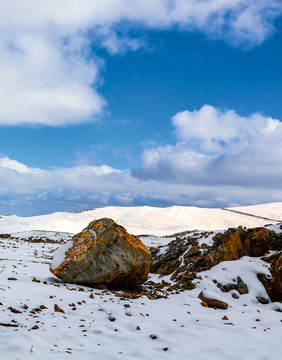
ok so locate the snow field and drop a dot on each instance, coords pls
(174, 328)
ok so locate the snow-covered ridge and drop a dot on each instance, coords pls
(147, 220)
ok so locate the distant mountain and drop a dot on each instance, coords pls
(149, 220)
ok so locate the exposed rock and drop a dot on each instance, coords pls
(276, 271)
(183, 258)
(104, 253)
(15, 311)
(228, 246)
(204, 304)
(168, 267)
(167, 262)
(213, 303)
(5, 236)
(273, 284)
(58, 309)
(256, 243)
(262, 300)
(240, 286)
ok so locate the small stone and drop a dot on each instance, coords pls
(101, 287)
(214, 303)
(138, 328)
(58, 309)
(15, 311)
(91, 296)
(262, 300)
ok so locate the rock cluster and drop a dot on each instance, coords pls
(104, 253)
(184, 257)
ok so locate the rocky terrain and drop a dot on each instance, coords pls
(188, 255)
(204, 288)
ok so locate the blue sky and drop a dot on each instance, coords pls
(148, 103)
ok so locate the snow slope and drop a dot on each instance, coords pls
(146, 219)
(110, 327)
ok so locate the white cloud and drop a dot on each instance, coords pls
(29, 191)
(46, 75)
(216, 148)
(45, 81)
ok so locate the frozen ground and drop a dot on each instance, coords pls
(146, 219)
(109, 326)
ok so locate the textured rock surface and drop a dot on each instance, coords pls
(104, 253)
(213, 303)
(240, 286)
(184, 257)
(273, 285)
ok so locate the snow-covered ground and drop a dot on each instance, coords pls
(146, 219)
(107, 326)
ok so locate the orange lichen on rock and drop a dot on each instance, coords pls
(104, 253)
(228, 249)
(256, 243)
(213, 303)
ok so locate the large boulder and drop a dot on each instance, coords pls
(103, 253)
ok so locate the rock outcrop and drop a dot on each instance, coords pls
(273, 284)
(185, 257)
(103, 253)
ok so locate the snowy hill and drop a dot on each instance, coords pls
(43, 318)
(149, 220)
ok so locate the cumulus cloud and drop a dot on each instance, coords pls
(48, 76)
(45, 81)
(216, 148)
(31, 191)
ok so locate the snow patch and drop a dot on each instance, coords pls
(59, 255)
